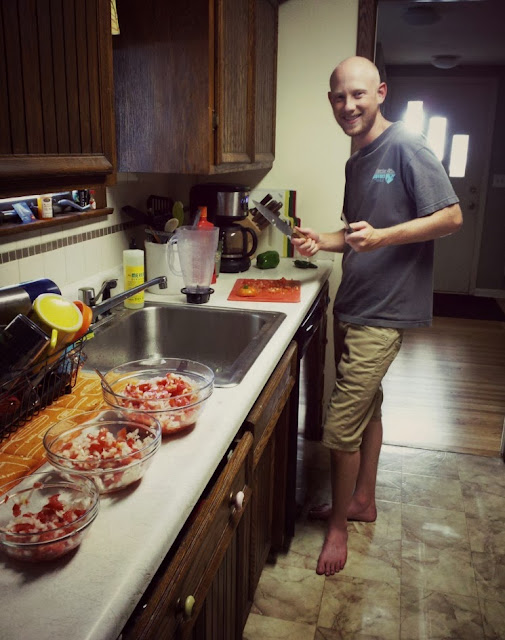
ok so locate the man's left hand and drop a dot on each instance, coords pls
(364, 237)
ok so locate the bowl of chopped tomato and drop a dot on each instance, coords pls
(172, 390)
(113, 447)
(46, 515)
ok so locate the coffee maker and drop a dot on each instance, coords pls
(226, 205)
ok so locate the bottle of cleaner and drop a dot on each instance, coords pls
(133, 268)
(203, 223)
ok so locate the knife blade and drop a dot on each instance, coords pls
(282, 225)
(347, 226)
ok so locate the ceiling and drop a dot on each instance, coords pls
(472, 29)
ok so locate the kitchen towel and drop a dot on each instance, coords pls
(23, 452)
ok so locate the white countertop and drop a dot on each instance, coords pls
(91, 594)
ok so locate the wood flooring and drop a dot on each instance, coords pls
(446, 389)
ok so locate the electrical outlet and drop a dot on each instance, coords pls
(499, 180)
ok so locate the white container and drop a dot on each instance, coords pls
(157, 265)
(133, 269)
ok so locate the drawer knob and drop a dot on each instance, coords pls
(189, 603)
(238, 500)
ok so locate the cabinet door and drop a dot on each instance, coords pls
(226, 607)
(163, 93)
(234, 82)
(269, 422)
(56, 111)
(265, 52)
(207, 573)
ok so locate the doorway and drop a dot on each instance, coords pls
(445, 111)
(415, 411)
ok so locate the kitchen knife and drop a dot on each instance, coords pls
(282, 225)
(347, 226)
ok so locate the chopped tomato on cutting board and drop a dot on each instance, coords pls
(266, 290)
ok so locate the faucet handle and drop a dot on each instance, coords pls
(87, 295)
(107, 286)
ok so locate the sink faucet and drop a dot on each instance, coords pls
(87, 294)
(107, 305)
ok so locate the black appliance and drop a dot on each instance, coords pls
(226, 205)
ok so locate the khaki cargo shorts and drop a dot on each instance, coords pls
(362, 356)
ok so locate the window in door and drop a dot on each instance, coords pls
(435, 129)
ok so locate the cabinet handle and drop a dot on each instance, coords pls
(236, 501)
(187, 607)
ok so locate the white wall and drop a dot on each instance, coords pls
(311, 149)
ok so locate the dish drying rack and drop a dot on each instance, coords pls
(31, 390)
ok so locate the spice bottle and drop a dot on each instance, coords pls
(133, 268)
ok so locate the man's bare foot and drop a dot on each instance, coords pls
(356, 512)
(333, 554)
(362, 513)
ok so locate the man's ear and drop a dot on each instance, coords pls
(382, 92)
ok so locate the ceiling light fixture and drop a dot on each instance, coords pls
(445, 61)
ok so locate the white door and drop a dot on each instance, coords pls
(467, 106)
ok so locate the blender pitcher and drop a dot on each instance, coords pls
(196, 248)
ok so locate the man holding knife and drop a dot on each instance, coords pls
(397, 200)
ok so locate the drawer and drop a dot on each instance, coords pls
(171, 604)
(264, 415)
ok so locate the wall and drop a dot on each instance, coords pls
(491, 269)
(311, 149)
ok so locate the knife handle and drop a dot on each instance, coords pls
(299, 234)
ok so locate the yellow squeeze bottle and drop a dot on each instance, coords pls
(133, 268)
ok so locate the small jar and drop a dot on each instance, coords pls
(45, 207)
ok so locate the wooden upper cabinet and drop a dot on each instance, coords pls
(234, 101)
(56, 102)
(195, 85)
(265, 80)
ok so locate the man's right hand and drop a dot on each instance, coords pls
(309, 245)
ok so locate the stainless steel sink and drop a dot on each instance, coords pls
(227, 340)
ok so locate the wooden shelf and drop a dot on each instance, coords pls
(10, 229)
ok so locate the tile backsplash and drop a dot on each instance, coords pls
(75, 253)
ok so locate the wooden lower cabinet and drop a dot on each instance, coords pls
(204, 588)
(269, 422)
(204, 575)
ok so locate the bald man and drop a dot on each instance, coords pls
(397, 199)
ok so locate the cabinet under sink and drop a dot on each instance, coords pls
(226, 340)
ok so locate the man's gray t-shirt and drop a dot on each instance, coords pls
(394, 179)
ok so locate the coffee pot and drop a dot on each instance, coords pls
(238, 243)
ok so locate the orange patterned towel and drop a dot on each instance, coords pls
(23, 451)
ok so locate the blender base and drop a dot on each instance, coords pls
(197, 297)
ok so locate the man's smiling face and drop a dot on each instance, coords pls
(355, 95)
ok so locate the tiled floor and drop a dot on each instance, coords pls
(432, 565)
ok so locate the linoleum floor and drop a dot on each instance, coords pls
(432, 566)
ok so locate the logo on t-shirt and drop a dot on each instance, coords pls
(384, 175)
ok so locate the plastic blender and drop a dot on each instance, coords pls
(196, 248)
